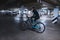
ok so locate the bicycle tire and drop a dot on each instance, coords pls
(38, 30)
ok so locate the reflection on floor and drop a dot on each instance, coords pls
(10, 30)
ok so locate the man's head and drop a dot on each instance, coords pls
(33, 8)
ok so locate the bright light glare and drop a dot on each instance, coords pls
(25, 17)
(2, 11)
(17, 18)
(30, 14)
(43, 19)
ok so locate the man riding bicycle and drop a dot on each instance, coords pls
(35, 14)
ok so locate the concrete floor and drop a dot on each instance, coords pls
(10, 30)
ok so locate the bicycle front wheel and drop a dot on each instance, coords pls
(40, 27)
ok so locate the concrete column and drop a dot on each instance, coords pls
(56, 12)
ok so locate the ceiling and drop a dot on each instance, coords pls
(5, 3)
(53, 2)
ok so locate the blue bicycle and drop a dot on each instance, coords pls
(35, 25)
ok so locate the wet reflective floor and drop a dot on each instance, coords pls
(10, 30)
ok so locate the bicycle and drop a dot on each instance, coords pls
(35, 25)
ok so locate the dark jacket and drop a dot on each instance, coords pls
(35, 14)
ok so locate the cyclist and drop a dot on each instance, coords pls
(35, 14)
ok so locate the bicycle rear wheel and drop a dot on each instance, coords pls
(40, 27)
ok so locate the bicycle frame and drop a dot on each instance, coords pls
(34, 24)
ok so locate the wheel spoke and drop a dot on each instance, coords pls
(40, 27)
